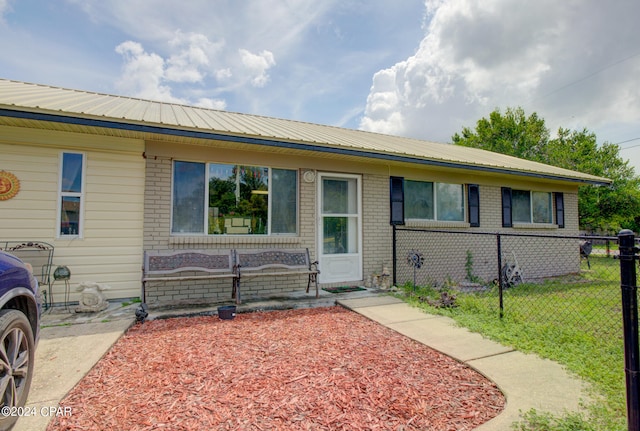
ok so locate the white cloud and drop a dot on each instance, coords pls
(218, 104)
(559, 59)
(383, 113)
(149, 76)
(223, 74)
(5, 8)
(257, 65)
(190, 57)
(143, 74)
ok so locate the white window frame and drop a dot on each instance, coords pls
(80, 195)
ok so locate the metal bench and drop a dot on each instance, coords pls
(178, 265)
(272, 263)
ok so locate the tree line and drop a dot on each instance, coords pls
(602, 209)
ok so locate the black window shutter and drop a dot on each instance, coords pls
(474, 205)
(506, 207)
(560, 209)
(396, 186)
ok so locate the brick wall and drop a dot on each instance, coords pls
(377, 232)
(157, 236)
(447, 255)
(444, 257)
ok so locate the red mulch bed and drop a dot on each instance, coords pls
(308, 369)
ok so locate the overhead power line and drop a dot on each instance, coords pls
(628, 140)
(590, 75)
(628, 148)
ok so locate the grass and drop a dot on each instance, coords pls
(133, 301)
(573, 320)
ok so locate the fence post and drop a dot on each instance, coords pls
(500, 278)
(629, 289)
(395, 255)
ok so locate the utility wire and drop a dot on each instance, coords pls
(584, 78)
(628, 148)
(624, 142)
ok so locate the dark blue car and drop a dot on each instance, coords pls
(20, 310)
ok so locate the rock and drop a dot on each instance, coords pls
(91, 298)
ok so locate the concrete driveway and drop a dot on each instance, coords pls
(70, 345)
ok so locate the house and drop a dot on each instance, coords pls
(104, 178)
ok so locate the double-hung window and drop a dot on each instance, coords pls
(225, 199)
(71, 194)
(433, 201)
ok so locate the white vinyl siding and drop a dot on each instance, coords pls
(110, 251)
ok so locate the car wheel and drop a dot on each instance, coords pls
(17, 349)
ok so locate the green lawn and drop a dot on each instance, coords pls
(575, 320)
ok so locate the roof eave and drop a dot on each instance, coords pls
(305, 146)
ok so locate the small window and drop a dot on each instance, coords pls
(71, 194)
(434, 201)
(532, 207)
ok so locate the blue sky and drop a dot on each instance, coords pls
(418, 68)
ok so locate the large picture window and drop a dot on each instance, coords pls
(71, 194)
(433, 201)
(223, 199)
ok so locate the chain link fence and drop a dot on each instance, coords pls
(539, 279)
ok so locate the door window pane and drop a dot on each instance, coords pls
(335, 235)
(336, 196)
(340, 235)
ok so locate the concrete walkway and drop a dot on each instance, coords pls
(527, 381)
(71, 344)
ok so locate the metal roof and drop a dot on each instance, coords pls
(102, 111)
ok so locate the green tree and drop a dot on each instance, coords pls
(511, 133)
(600, 208)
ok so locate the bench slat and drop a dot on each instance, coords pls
(189, 277)
(170, 262)
(256, 260)
(160, 263)
(252, 263)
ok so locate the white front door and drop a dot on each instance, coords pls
(340, 229)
